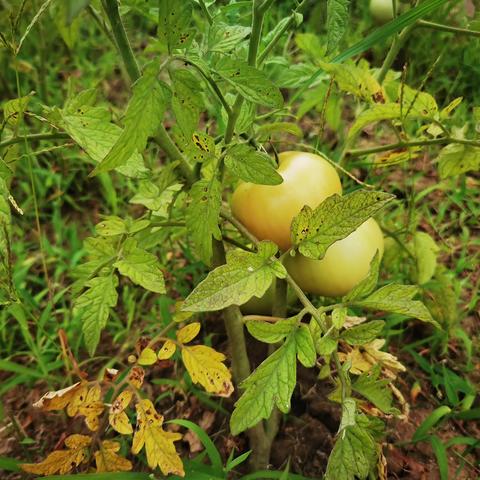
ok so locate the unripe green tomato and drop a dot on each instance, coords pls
(268, 210)
(264, 305)
(345, 264)
(381, 10)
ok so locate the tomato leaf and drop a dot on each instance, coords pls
(94, 305)
(375, 390)
(156, 200)
(426, 254)
(117, 418)
(174, 23)
(186, 100)
(224, 38)
(368, 284)
(244, 275)
(189, 332)
(397, 299)
(313, 231)
(142, 117)
(376, 113)
(271, 332)
(455, 159)
(108, 460)
(251, 165)
(250, 83)
(364, 333)
(337, 22)
(141, 267)
(203, 215)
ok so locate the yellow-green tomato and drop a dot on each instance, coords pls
(264, 305)
(267, 210)
(345, 264)
(381, 10)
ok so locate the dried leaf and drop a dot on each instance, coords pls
(92, 407)
(58, 399)
(117, 418)
(136, 376)
(107, 459)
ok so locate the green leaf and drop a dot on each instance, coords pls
(337, 22)
(306, 352)
(349, 409)
(376, 113)
(455, 159)
(375, 390)
(224, 38)
(94, 305)
(69, 30)
(250, 83)
(158, 202)
(271, 332)
(265, 131)
(272, 383)
(368, 284)
(364, 333)
(324, 344)
(13, 110)
(91, 129)
(142, 117)
(141, 267)
(111, 226)
(203, 214)
(244, 275)
(426, 254)
(353, 456)
(252, 166)
(174, 19)
(335, 218)
(397, 299)
(339, 315)
(186, 100)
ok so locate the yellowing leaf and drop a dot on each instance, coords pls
(167, 350)
(147, 357)
(117, 418)
(189, 332)
(62, 461)
(92, 407)
(158, 443)
(204, 364)
(370, 355)
(107, 459)
(136, 376)
(59, 399)
(77, 400)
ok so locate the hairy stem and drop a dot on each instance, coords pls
(34, 137)
(447, 28)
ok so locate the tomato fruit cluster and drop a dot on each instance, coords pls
(267, 212)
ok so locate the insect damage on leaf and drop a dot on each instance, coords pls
(158, 443)
(62, 461)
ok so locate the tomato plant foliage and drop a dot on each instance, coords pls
(204, 107)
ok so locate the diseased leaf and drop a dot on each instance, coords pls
(397, 299)
(244, 275)
(108, 460)
(111, 226)
(224, 38)
(250, 83)
(94, 305)
(203, 214)
(337, 21)
(334, 219)
(364, 333)
(167, 350)
(158, 443)
(174, 23)
(136, 376)
(186, 100)
(204, 364)
(189, 332)
(62, 461)
(141, 267)
(13, 110)
(92, 407)
(58, 399)
(117, 418)
(142, 117)
(147, 357)
(91, 129)
(251, 165)
(416, 103)
(455, 159)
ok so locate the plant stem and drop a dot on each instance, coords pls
(447, 28)
(206, 11)
(33, 137)
(240, 363)
(393, 52)
(161, 137)
(414, 143)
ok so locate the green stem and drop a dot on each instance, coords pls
(34, 137)
(101, 23)
(414, 143)
(447, 28)
(125, 50)
(206, 11)
(393, 52)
